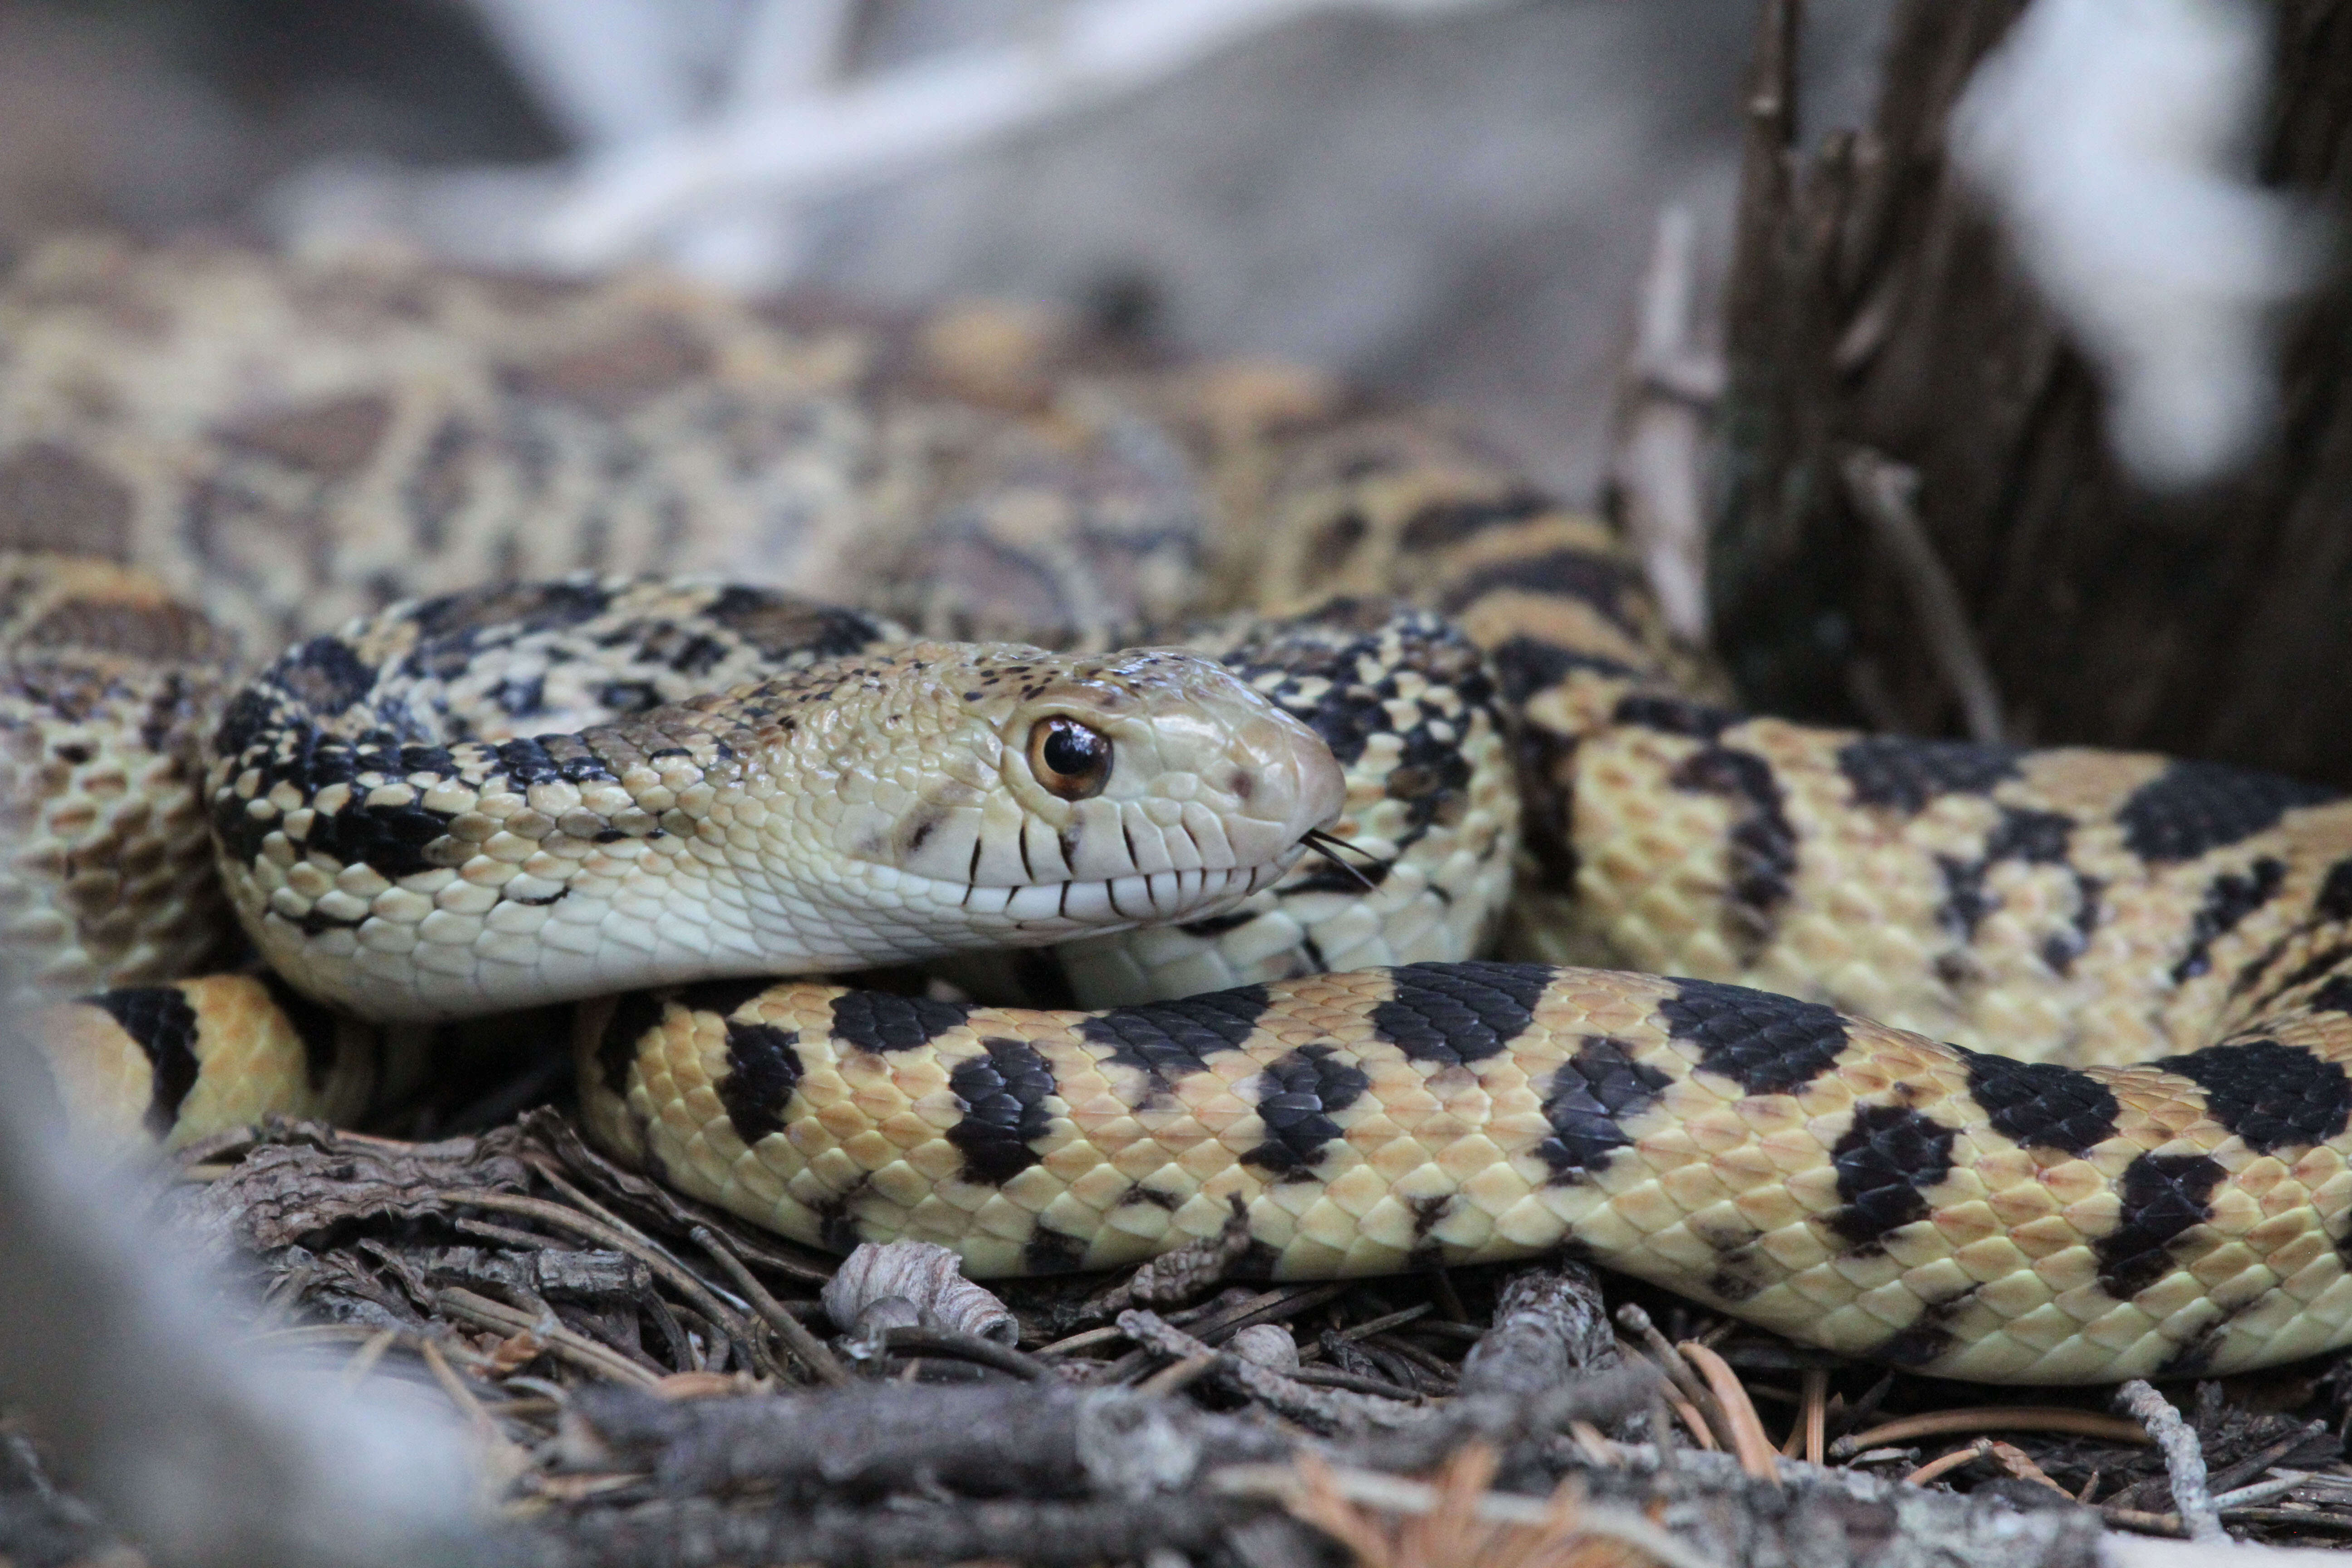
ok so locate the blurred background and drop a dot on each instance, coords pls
(1450, 199)
(1964, 367)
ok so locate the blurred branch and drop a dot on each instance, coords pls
(818, 144)
(706, 135)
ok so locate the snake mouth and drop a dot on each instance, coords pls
(1142, 897)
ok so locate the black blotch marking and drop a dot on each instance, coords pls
(2035, 838)
(242, 722)
(520, 698)
(1258, 1261)
(721, 996)
(762, 1069)
(1525, 665)
(2041, 1105)
(1884, 1161)
(1296, 1098)
(314, 1026)
(627, 696)
(1765, 1043)
(1428, 1213)
(1151, 1198)
(162, 1025)
(1926, 1337)
(72, 753)
(1905, 774)
(1050, 1252)
(2229, 898)
(1168, 1040)
(2198, 1354)
(616, 1049)
(836, 1224)
(1586, 1103)
(2164, 1196)
(326, 674)
(1547, 769)
(1445, 522)
(2334, 900)
(391, 840)
(1763, 855)
(2335, 996)
(534, 606)
(1736, 1277)
(1459, 1013)
(779, 624)
(2060, 949)
(881, 1021)
(1673, 716)
(2324, 961)
(1602, 582)
(2193, 807)
(2271, 1095)
(1004, 1091)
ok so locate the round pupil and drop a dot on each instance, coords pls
(1070, 750)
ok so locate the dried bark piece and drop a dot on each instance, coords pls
(305, 1177)
(1550, 1327)
(928, 1277)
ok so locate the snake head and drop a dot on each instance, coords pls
(993, 794)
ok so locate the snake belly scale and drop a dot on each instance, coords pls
(2117, 1145)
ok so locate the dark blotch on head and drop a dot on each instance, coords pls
(1587, 1101)
(162, 1025)
(616, 1049)
(2271, 1095)
(2163, 1195)
(1168, 1040)
(1297, 1097)
(2041, 1105)
(762, 1069)
(1884, 1161)
(1905, 774)
(1765, 1043)
(1004, 1091)
(880, 1021)
(1458, 1012)
(2229, 898)
(2192, 807)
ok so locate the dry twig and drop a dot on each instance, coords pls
(2184, 1459)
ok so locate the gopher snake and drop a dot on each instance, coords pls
(2040, 1216)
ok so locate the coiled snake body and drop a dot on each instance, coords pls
(654, 795)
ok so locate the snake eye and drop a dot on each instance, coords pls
(1071, 759)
